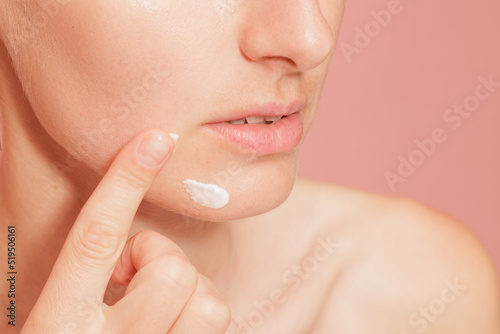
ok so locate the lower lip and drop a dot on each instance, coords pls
(262, 139)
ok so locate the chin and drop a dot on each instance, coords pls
(255, 187)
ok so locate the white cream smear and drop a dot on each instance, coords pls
(207, 195)
(174, 136)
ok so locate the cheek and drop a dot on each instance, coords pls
(103, 71)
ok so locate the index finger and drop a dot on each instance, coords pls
(93, 246)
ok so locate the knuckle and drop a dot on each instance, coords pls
(145, 237)
(213, 312)
(178, 271)
(150, 237)
(133, 179)
(97, 241)
(152, 240)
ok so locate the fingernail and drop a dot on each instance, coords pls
(174, 136)
(153, 149)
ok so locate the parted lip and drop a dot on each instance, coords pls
(269, 109)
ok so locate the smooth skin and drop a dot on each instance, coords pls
(309, 257)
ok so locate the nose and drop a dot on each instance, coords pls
(294, 32)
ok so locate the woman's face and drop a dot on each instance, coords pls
(99, 72)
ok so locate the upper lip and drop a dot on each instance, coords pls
(269, 109)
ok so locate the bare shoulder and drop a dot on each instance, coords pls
(407, 268)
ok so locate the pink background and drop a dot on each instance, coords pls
(396, 90)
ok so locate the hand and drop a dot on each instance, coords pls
(165, 293)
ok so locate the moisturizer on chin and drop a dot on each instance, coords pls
(207, 195)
